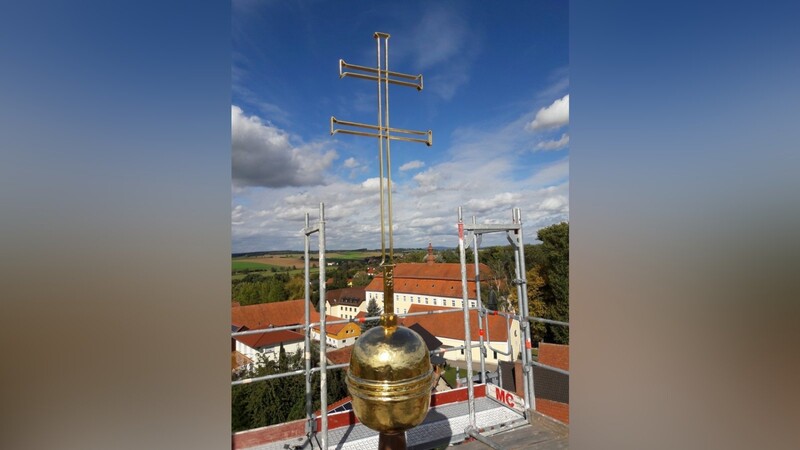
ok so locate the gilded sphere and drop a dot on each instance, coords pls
(390, 379)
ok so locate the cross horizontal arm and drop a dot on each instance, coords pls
(427, 142)
(375, 127)
(343, 64)
(428, 134)
(385, 73)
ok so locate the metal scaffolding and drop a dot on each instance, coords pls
(468, 234)
(513, 232)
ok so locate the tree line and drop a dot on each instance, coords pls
(281, 400)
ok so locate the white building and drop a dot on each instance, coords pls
(428, 283)
(345, 303)
(264, 316)
(267, 344)
(339, 335)
(449, 329)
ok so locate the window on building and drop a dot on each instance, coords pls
(454, 303)
(462, 351)
(434, 301)
(495, 355)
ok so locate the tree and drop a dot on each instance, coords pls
(536, 303)
(489, 296)
(360, 279)
(372, 310)
(555, 271)
(281, 400)
(338, 279)
(295, 288)
(277, 293)
(283, 363)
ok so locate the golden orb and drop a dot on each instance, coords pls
(390, 378)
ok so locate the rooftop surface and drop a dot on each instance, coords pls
(444, 425)
(543, 434)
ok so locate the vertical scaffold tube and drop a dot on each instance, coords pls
(467, 335)
(481, 310)
(307, 332)
(323, 335)
(524, 313)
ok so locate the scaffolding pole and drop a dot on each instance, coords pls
(323, 336)
(476, 238)
(310, 420)
(465, 305)
(515, 237)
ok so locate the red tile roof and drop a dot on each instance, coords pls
(340, 355)
(451, 325)
(330, 328)
(270, 338)
(437, 280)
(439, 271)
(276, 314)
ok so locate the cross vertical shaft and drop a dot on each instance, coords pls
(385, 134)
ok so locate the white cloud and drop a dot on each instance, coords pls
(439, 36)
(263, 155)
(554, 144)
(236, 215)
(554, 203)
(504, 199)
(549, 174)
(426, 181)
(351, 163)
(446, 84)
(553, 116)
(443, 46)
(485, 170)
(416, 164)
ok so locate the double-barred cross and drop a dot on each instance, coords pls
(385, 134)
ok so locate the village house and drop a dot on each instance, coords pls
(345, 303)
(264, 316)
(449, 329)
(267, 344)
(338, 335)
(249, 349)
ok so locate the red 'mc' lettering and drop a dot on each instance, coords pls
(504, 397)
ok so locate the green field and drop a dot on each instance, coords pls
(313, 273)
(237, 266)
(355, 255)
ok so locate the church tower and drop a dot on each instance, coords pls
(430, 259)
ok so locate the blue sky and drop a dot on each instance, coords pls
(496, 97)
